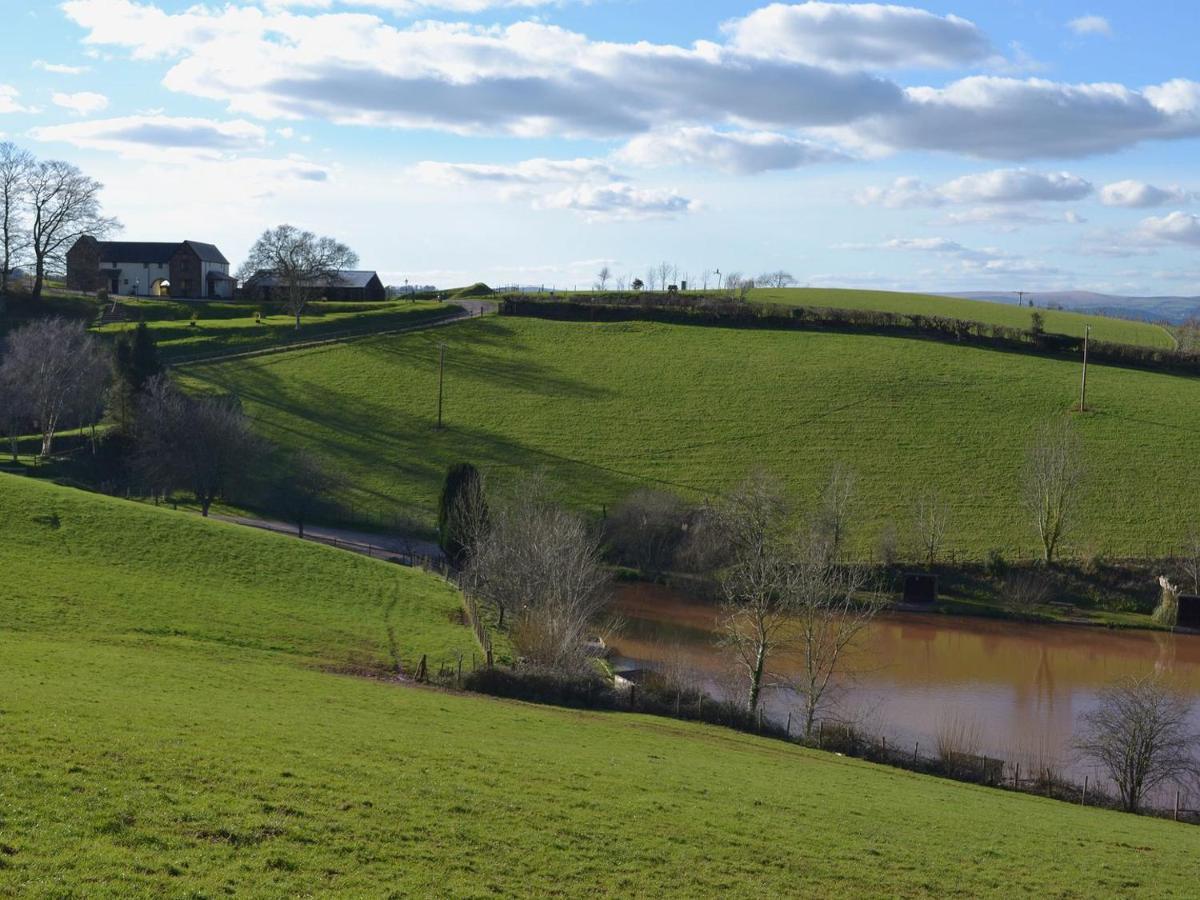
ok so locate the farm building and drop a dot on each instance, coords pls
(185, 269)
(350, 285)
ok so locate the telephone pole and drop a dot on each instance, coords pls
(1087, 330)
(441, 380)
(1020, 298)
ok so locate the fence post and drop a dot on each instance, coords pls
(1083, 799)
(789, 725)
(1017, 776)
(1176, 805)
(633, 696)
(916, 752)
(821, 735)
(885, 748)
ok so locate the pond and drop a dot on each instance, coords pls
(1020, 687)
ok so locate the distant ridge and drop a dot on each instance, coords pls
(1150, 309)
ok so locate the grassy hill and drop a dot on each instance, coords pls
(159, 738)
(1009, 314)
(603, 408)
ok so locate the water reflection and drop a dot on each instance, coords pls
(1024, 686)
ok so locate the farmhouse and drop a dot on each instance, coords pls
(186, 270)
(349, 285)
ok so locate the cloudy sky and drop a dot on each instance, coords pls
(997, 145)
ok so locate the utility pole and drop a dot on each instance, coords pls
(1087, 330)
(441, 380)
(1020, 298)
(718, 279)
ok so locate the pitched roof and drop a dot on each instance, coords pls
(137, 251)
(156, 251)
(348, 278)
(207, 252)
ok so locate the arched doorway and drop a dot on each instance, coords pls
(160, 288)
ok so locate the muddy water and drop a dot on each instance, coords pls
(1020, 687)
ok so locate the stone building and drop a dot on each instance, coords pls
(351, 285)
(186, 270)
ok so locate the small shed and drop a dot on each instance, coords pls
(920, 588)
(1189, 611)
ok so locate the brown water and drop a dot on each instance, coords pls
(1023, 687)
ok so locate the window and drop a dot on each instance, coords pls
(127, 281)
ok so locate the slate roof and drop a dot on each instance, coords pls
(137, 251)
(207, 252)
(349, 278)
(156, 252)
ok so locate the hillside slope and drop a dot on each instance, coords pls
(991, 309)
(200, 761)
(605, 408)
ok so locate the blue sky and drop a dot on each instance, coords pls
(942, 146)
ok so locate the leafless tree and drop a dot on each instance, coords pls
(835, 509)
(305, 487)
(663, 273)
(622, 281)
(305, 263)
(200, 444)
(704, 276)
(1024, 592)
(931, 517)
(751, 524)
(777, 279)
(58, 370)
(16, 165)
(1189, 559)
(646, 529)
(602, 277)
(732, 281)
(14, 411)
(1140, 734)
(1052, 479)
(63, 206)
(830, 605)
(540, 566)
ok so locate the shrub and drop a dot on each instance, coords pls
(646, 530)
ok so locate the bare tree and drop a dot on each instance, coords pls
(1189, 559)
(64, 205)
(835, 509)
(58, 370)
(305, 487)
(305, 264)
(751, 525)
(200, 444)
(16, 165)
(704, 276)
(1024, 592)
(1140, 734)
(663, 272)
(540, 566)
(602, 277)
(830, 605)
(1052, 479)
(931, 516)
(14, 411)
(777, 279)
(646, 529)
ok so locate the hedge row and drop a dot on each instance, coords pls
(729, 312)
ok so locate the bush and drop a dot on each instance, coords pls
(995, 563)
(646, 530)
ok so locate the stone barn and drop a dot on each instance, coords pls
(189, 270)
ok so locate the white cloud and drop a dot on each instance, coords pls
(997, 186)
(531, 79)
(83, 103)
(158, 137)
(413, 7)
(528, 172)
(1178, 228)
(1085, 25)
(8, 100)
(1139, 195)
(1006, 118)
(1016, 186)
(618, 202)
(859, 35)
(59, 68)
(967, 260)
(740, 152)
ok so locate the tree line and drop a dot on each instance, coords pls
(45, 206)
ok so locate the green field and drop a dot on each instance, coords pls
(604, 408)
(1104, 328)
(232, 328)
(172, 724)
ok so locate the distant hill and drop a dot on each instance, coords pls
(1149, 309)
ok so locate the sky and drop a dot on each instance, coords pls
(1001, 146)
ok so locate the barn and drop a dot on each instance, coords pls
(350, 285)
(182, 269)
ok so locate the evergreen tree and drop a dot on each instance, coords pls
(461, 509)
